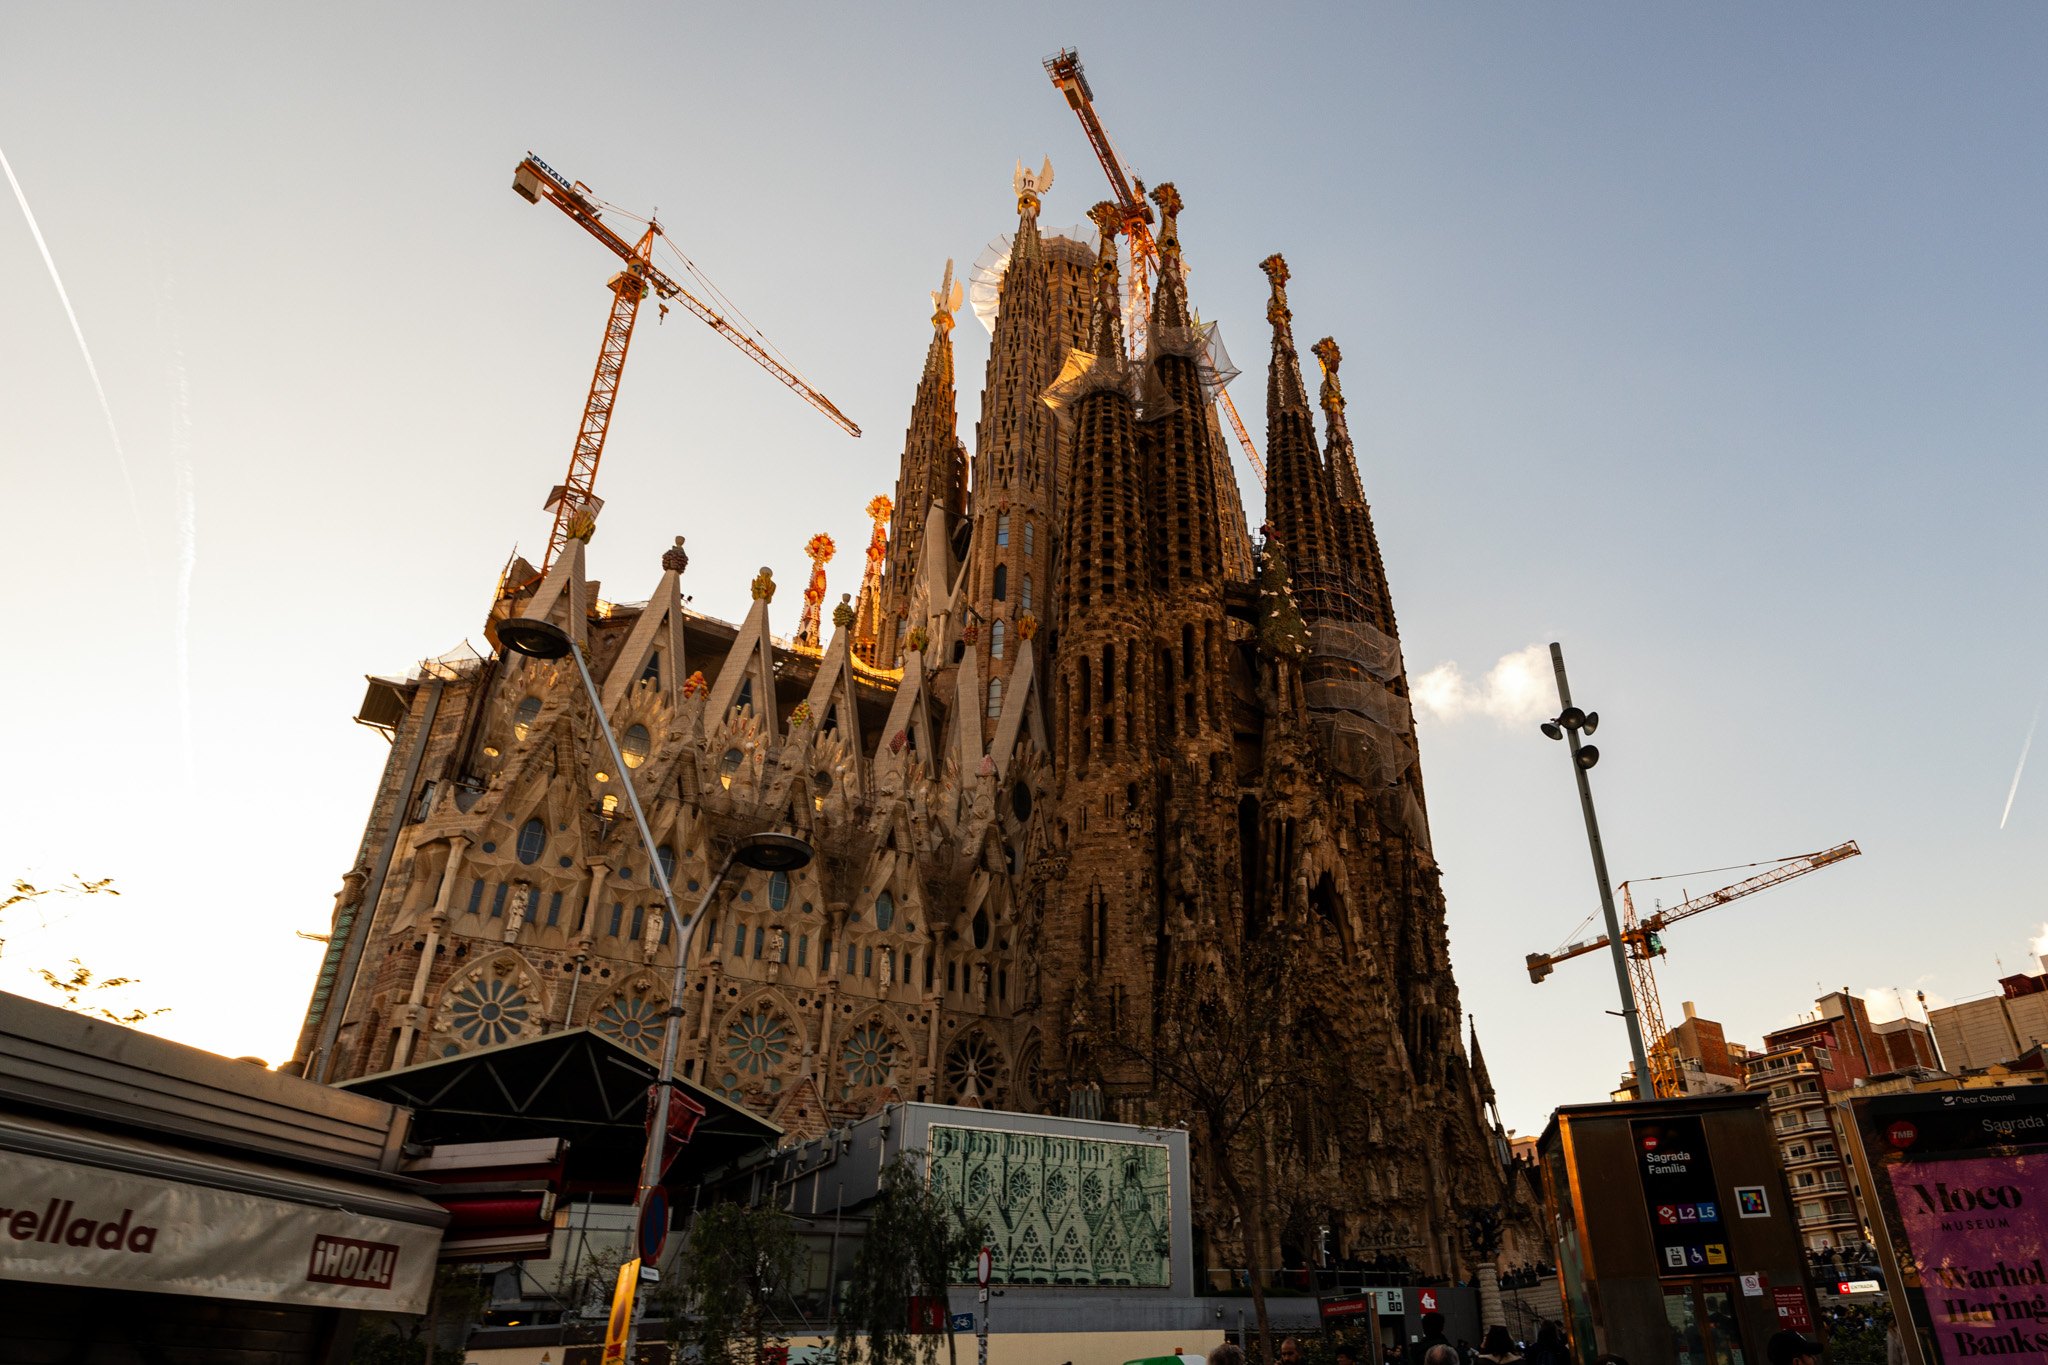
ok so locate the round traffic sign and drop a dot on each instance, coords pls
(653, 1224)
(983, 1265)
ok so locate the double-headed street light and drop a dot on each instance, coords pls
(538, 639)
(1568, 725)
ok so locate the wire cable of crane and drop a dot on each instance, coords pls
(1732, 867)
(732, 309)
(1572, 937)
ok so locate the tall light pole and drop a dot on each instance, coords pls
(1568, 725)
(539, 639)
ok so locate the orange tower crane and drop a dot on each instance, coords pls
(1064, 67)
(574, 501)
(1643, 940)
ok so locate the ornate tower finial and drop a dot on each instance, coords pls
(819, 549)
(1277, 311)
(1031, 187)
(867, 620)
(675, 559)
(946, 301)
(1105, 329)
(1170, 301)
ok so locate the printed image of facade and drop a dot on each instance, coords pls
(1075, 740)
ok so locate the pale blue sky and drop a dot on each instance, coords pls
(1705, 340)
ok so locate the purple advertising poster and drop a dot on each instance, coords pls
(1977, 1236)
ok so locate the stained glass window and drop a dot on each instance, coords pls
(870, 1054)
(634, 1022)
(634, 745)
(757, 1042)
(489, 1012)
(778, 890)
(523, 718)
(885, 910)
(533, 840)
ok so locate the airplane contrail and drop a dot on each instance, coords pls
(120, 455)
(183, 494)
(2022, 767)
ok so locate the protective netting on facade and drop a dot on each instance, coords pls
(1204, 342)
(1363, 696)
(1356, 642)
(1085, 373)
(985, 278)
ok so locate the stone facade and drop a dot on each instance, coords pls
(1042, 810)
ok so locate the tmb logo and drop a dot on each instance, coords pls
(344, 1260)
(1901, 1134)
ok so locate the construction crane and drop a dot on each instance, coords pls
(1643, 942)
(574, 501)
(1064, 67)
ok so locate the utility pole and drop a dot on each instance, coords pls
(1569, 722)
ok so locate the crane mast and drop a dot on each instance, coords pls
(1064, 67)
(1643, 943)
(574, 501)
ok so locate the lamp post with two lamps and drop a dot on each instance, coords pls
(1568, 725)
(538, 639)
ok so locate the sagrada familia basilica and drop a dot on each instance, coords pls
(1078, 733)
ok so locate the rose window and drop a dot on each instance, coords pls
(634, 1022)
(1093, 1191)
(1055, 1188)
(1020, 1186)
(756, 1043)
(489, 1012)
(870, 1054)
(974, 1069)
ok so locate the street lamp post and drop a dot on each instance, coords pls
(1568, 725)
(538, 639)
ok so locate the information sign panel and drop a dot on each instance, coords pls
(1678, 1186)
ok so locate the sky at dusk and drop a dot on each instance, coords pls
(1706, 341)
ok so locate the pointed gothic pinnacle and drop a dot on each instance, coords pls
(1333, 393)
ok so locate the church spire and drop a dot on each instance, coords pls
(1297, 492)
(1170, 299)
(933, 470)
(1031, 187)
(1358, 544)
(1106, 325)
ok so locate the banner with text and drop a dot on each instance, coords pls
(67, 1224)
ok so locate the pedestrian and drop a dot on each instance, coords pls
(1227, 1353)
(1432, 1336)
(1498, 1349)
(1346, 1354)
(1549, 1348)
(1465, 1351)
(1290, 1352)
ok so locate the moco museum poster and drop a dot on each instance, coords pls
(67, 1224)
(1961, 1181)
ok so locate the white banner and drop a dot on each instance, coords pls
(67, 1224)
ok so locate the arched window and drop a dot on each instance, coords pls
(1024, 601)
(981, 928)
(633, 745)
(667, 854)
(1002, 528)
(523, 718)
(533, 841)
(729, 765)
(995, 698)
(995, 640)
(1002, 582)
(778, 890)
(746, 696)
(1028, 528)
(885, 910)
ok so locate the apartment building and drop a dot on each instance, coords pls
(1805, 1068)
(1995, 1029)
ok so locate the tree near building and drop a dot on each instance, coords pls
(740, 1261)
(913, 1248)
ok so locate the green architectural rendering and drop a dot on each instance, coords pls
(1059, 1210)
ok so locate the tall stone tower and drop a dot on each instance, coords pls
(932, 480)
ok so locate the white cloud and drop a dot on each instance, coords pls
(1519, 688)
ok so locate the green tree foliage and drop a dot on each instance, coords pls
(911, 1248)
(740, 1262)
(459, 1297)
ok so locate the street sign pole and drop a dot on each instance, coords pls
(983, 1265)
